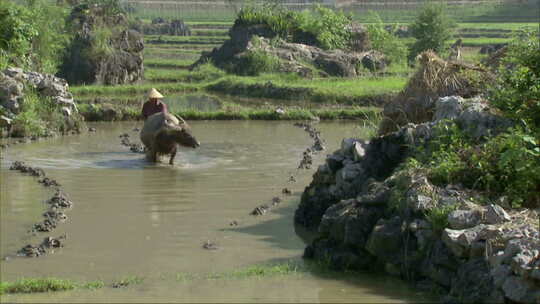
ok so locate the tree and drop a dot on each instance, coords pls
(432, 29)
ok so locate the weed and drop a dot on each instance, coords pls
(37, 285)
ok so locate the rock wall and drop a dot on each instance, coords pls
(104, 50)
(13, 82)
(371, 213)
(293, 57)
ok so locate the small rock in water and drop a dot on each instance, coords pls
(210, 246)
(136, 130)
(51, 242)
(233, 223)
(59, 200)
(276, 200)
(31, 251)
(286, 191)
(261, 210)
(292, 179)
(92, 129)
(48, 182)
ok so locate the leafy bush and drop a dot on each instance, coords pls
(432, 29)
(42, 117)
(33, 35)
(517, 91)
(383, 41)
(16, 33)
(255, 63)
(328, 29)
(205, 72)
(280, 20)
(507, 164)
(327, 26)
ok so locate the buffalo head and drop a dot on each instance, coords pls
(181, 133)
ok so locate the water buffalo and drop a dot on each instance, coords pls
(161, 134)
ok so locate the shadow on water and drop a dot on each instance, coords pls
(374, 285)
(274, 230)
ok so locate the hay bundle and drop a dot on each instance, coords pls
(434, 78)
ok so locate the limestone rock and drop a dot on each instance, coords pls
(374, 61)
(449, 107)
(385, 240)
(461, 219)
(495, 214)
(519, 290)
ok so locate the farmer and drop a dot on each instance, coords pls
(154, 104)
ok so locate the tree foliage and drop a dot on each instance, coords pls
(322, 26)
(384, 41)
(32, 35)
(432, 29)
(517, 90)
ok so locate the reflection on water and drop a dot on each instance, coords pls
(131, 217)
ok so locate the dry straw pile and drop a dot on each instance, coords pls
(434, 78)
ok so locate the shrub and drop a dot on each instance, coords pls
(254, 63)
(517, 90)
(280, 20)
(383, 41)
(432, 29)
(330, 28)
(504, 165)
(322, 26)
(42, 117)
(17, 33)
(32, 35)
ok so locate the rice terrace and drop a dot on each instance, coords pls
(246, 151)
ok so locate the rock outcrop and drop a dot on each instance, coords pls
(371, 213)
(296, 58)
(160, 26)
(14, 82)
(103, 50)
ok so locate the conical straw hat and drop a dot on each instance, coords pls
(154, 94)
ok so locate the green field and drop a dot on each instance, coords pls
(167, 59)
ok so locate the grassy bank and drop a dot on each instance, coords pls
(34, 285)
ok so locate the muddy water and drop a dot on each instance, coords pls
(132, 218)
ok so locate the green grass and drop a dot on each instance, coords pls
(33, 285)
(166, 75)
(221, 33)
(132, 89)
(153, 65)
(323, 90)
(513, 26)
(199, 24)
(193, 39)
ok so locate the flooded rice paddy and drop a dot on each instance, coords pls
(133, 218)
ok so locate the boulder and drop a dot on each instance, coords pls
(374, 61)
(520, 290)
(297, 57)
(461, 219)
(473, 283)
(495, 214)
(385, 240)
